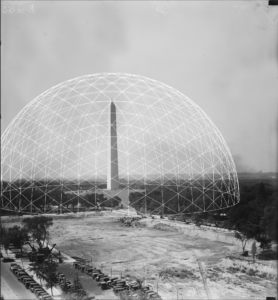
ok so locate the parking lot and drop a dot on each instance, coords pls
(11, 288)
(90, 285)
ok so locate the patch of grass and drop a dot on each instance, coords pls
(180, 273)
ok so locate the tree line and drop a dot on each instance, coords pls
(45, 199)
(177, 199)
(255, 216)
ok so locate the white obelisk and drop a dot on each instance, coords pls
(113, 170)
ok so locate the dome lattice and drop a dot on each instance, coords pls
(171, 156)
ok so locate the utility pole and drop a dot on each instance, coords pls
(31, 207)
(61, 199)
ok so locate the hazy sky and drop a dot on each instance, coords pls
(223, 55)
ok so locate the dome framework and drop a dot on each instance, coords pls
(171, 157)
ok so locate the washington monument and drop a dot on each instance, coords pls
(113, 170)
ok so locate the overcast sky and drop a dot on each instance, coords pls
(223, 55)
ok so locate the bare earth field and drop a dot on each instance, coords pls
(167, 261)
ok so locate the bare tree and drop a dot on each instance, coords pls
(242, 238)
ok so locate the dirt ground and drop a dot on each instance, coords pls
(166, 261)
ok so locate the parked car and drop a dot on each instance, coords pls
(105, 278)
(84, 268)
(29, 278)
(13, 269)
(120, 282)
(75, 265)
(34, 286)
(16, 271)
(79, 266)
(13, 265)
(70, 286)
(92, 271)
(96, 274)
(89, 270)
(113, 279)
(118, 289)
(42, 293)
(45, 297)
(39, 291)
(20, 274)
(153, 296)
(67, 285)
(105, 285)
(17, 268)
(150, 294)
(7, 259)
(24, 277)
(115, 287)
(61, 277)
(134, 286)
(100, 277)
(27, 283)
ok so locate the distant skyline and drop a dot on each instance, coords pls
(223, 55)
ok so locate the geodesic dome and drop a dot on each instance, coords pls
(171, 156)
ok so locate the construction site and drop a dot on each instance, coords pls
(174, 259)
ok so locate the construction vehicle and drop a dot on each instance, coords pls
(41, 254)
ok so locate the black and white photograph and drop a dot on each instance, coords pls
(139, 150)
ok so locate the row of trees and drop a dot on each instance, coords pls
(44, 200)
(256, 214)
(14, 235)
(34, 230)
(177, 200)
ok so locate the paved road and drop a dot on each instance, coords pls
(11, 288)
